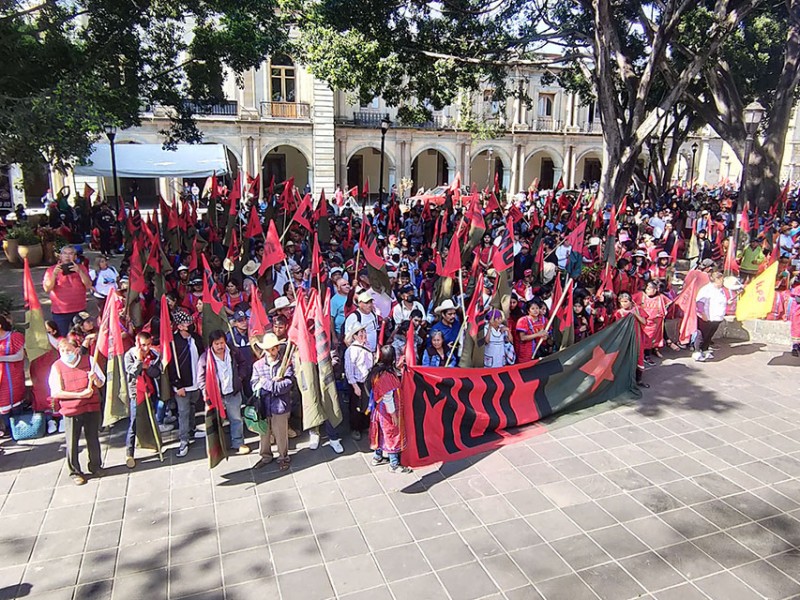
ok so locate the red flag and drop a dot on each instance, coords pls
(503, 257)
(567, 315)
(367, 245)
(273, 251)
(492, 204)
(322, 207)
(304, 213)
(120, 210)
(686, 301)
(623, 206)
(515, 213)
(612, 223)
(257, 325)
(576, 238)
(165, 333)
(214, 186)
(776, 252)
(474, 316)
(87, 191)
(452, 265)
(211, 294)
(137, 283)
(253, 228)
(744, 221)
(365, 191)
(300, 333)
(233, 249)
(560, 186)
(353, 192)
(254, 185)
(673, 255)
(730, 265)
(783, 197)
(29, 290)
(438, 262)
(410, 351)
(193, 262)
(607, 279)
(426, 211)
(285, 201)
(316, 259)
(496, 182)
(213, 393)
(109, 335)
(474, 214)
(235, 195)
(539, 258)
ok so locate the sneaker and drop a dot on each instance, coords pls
(795, 352)
(698, 356)
(130, 462)
(243, 450)
(650, 362)
(400, 469)
(379, 461)
(313, 440)
(337, 446)
(78, 479)
(356, 435)
(182, 451)
(199, 434)
(62, 426)
(708, 354)
(169, 419)
(164, 428)
(52, 426)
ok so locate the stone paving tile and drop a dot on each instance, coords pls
(666, 499)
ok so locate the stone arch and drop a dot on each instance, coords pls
(544, 163)
(370, 146)
(443, 150)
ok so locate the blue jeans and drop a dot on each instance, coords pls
(394, 457)
(233, 408)
(63, 322)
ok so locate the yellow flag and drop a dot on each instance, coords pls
(759, 295)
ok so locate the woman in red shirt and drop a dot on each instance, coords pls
(529, 330)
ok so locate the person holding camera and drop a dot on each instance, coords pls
(67, 283)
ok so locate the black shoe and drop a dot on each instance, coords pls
(98, 472)
(795, 352)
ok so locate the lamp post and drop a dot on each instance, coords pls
(691, 175)
(753, 113)
(111, 134)
(385, 124)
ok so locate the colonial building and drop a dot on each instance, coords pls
(286, 123)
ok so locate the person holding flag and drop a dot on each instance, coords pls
(143, 370)
(183, 377)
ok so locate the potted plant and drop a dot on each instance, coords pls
(11, 246)
(29, 245)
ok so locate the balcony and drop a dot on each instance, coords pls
(436, 122)
(547, 124)
(285, 110)
(369, 118)
(226, 108)
(591, 127)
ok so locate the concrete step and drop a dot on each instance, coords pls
(760, 331)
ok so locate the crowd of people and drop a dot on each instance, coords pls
(531, 273)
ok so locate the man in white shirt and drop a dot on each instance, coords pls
(711, 304)
(365, 315)
(406, 305)
(562, 254)
(657, 223)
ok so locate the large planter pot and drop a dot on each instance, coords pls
(49, 253)
(32, 253)
(10, 247)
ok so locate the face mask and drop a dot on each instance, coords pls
(71, 358)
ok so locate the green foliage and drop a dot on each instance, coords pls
(70, 66)
(7, 303)
(24, 234)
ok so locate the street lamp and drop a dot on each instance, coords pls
(111, 134)
(691, 175)
(753, 113)
(385, 124)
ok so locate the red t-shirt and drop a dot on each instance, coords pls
(69, 293)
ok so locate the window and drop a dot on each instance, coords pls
(546, 102)
(490, 105)
(282, 79)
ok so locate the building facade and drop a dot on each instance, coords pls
(286, 123)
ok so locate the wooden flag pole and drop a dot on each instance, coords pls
(553, 315)
(460, 334)
(156, 432)
(175, 358)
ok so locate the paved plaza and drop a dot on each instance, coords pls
(692, 492)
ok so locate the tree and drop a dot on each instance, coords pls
(71, 66)
(760, 61)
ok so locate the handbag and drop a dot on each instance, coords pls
(27, 426)
(511, 355)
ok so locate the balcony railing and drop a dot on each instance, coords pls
(436, 122)
(226, 108)
(591, 127)
(364, 118)
(285, 110)
(547, 124)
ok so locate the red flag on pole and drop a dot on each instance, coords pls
(257, 325)
(300, 334)
(273, 251)
(503, 257)
(452, 265)
(576, 238)
(29, 290)
(253, 228)
(137, 283)
(365, 191)
(213, 393)
(316, 259)
(410, 353)
(567, 316)
(492, 204)
(210, 291)
(165, 333)
(474, 316)
(304, 213)
(367, 245)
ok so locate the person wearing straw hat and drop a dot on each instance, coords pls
(282, 306)
(183, 374)
(250, 282)
(448, 322)
(273, 389)
(358, 360)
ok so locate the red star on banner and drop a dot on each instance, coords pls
(600, 366)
